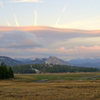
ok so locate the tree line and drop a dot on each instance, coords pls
(46, 68)
(49, 68)
(6, 72)
(21, 69)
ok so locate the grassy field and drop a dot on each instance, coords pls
(70, 86)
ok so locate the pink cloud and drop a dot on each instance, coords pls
(77, 52)
(46, 28)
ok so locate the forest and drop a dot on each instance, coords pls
(50, 68)
(6, 72)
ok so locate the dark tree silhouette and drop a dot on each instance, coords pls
(6, 73)
(11, 74)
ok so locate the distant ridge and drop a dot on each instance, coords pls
(95, 63)
(14, 62)
(9, 61)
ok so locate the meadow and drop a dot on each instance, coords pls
(62, 86)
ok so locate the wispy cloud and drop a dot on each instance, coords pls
(7, 21)
(21, 1)
(92, 23)
(59, 18)
(35, 18)
(16, 21)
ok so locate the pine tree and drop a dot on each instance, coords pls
(6, 73)
(11, 74)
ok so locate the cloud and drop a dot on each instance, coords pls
(8, 23)
(81, 52)
(78, 41)
(16, 21)
(59, 18)
(19, 40)
(35, 18)
(50, 42)
(89, 24)
(22, 1)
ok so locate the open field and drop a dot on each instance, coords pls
(71, 86)
(56, 76)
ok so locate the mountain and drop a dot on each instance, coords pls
(31, 61)
(95, 62)
(55, 61)
(9, 61)
(50, 60)
(21, 61)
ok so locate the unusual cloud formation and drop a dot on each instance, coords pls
(45, 41)
(8, 23)
(35, 18)
(26, 1)
(16, 21)
(59, 18)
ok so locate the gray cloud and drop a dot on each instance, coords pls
(69, 44)
(75, 42)
(19, 40)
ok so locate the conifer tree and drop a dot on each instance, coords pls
(11, 74)
(6, 73)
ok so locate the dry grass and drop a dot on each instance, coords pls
(52, 90)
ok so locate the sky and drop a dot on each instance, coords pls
(80, 14)
(68, 29)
